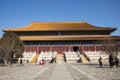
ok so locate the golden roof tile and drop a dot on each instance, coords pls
(58, 26)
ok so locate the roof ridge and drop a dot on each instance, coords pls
(60, 22)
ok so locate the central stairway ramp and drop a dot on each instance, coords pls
(61, 73)
(59, 58)
(84, 59)
(34, 60)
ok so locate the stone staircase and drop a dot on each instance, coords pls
(59, 58)
(35, 58)
(84, 59)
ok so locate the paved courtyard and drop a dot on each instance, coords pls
(59, 72)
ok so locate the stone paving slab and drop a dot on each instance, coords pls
(26, 72)
(94, 72)
(61, 73)
(90, 71)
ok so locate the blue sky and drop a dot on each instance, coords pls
(19, 13)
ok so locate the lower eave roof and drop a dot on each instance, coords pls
(68, 38)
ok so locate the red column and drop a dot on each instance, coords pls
(69, 48)
(94, 47)
(25, 49)
(37, 50)
(82, 48)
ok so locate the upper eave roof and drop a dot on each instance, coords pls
(59, 26)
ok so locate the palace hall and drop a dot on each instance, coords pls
(63, 36)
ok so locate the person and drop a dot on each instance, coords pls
(21, 62)
(52, 60)
(116, 62)
(111, 61)
(43, 61)
(36, 60)
(100, 62)
(55, 59)
(27, 61)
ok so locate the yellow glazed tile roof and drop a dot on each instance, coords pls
(57, 26)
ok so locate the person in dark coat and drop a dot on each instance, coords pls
(111, 61)
(100, 62)
(116, 62)
(21, 62)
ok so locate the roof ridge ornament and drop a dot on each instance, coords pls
(34, 21)
(84, 21)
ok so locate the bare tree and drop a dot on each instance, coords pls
(10, 45)
(111, 47)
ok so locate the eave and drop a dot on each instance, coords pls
(67, 38)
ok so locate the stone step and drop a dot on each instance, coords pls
(84, 59)
(34, 59)
(60, 58)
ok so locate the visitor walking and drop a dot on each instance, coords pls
(55, 59)
(21, 62)
(117, 62)
(111, 61)
(100, 62)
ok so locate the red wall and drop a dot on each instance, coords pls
(61, 49)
